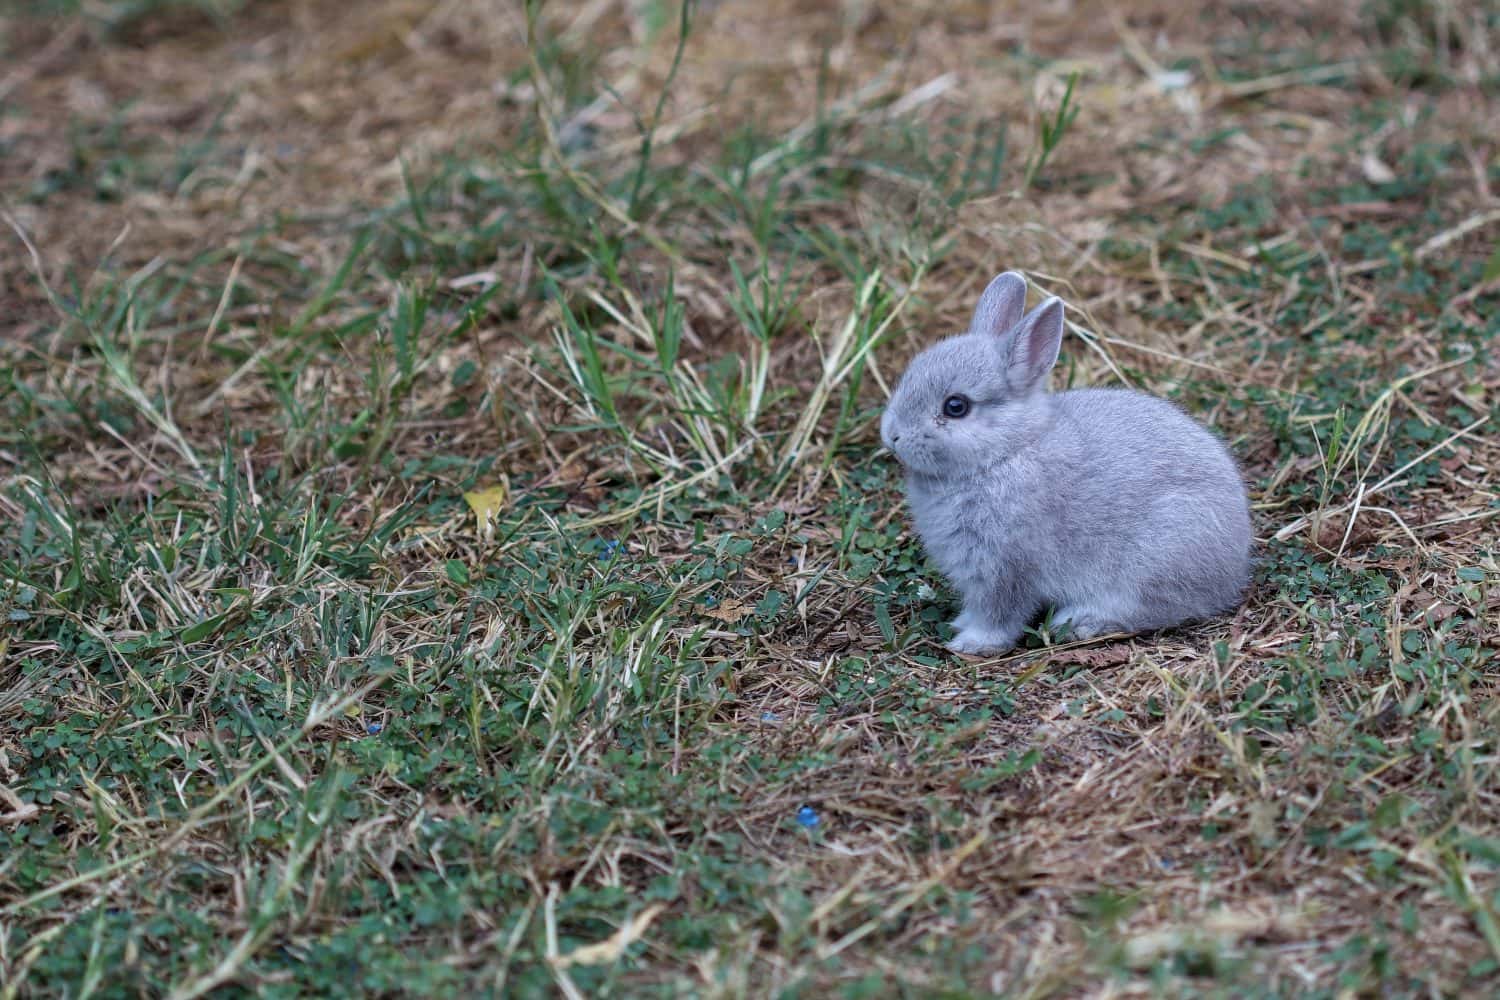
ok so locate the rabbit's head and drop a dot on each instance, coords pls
(970, 401)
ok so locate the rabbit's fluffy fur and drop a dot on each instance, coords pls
(1111, 506)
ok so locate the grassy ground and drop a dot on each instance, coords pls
(445, 545)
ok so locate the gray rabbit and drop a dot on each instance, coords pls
(1111, 506)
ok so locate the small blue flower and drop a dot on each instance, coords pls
(770, 717)
(808, 817)
(374, 728)
(608, 549)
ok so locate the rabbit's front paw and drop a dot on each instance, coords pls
(978, 641)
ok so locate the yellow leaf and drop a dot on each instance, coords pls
(729, 611)
(487, 503)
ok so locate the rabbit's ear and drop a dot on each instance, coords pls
(1001, 305)
(1034, 345)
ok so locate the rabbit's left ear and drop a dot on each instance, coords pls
(1001, 305)
(1034, 345)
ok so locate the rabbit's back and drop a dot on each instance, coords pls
(1134, 437)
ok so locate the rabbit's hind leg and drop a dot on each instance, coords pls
(1088, 621)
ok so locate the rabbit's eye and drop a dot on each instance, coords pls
(955, 407)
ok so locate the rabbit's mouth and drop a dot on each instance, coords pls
(918, 462)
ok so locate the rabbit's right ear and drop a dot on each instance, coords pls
(1001, 305)
(1033, 350)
